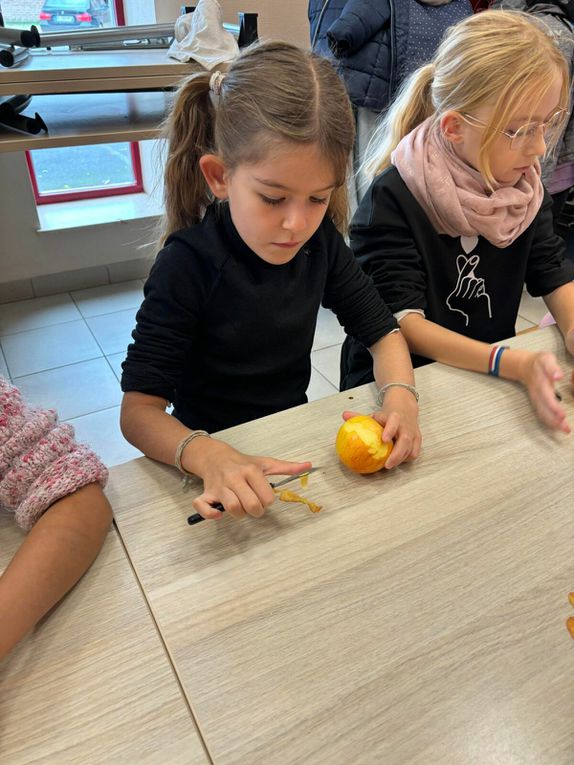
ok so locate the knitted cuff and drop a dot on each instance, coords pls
(61, 477)
(36, 425)
(30, 464)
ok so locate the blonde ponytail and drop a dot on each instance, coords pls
(504, 59)
(412, 106)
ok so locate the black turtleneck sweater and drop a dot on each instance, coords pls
(227, 337)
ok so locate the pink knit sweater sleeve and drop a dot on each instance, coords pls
(40, 460)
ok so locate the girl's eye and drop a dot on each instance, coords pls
(319, 201)
(271, 200)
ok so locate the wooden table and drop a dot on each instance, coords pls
(419, 618)
(93, 683)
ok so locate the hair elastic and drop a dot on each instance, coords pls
(494, 359)
(215, 82)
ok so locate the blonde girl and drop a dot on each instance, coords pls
(255, 202)
(456, 220)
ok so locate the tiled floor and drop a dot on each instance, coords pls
(65, 351)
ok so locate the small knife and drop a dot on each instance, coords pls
(197, 518)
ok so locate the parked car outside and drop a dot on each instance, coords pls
(74, 14)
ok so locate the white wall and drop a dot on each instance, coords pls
(26, 252)
(284, 19)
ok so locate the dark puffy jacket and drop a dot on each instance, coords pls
(377, 43)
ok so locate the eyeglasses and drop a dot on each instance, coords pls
(527, 133)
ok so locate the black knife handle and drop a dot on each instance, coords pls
(197, 518)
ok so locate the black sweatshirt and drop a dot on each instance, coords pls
(227, 337)
(464, 284)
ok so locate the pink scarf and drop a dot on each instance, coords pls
(454, 195)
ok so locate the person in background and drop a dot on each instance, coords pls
(53, 485)
(456, 219)
(255, 201)
(375, 45)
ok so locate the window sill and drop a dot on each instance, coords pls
(97, 212)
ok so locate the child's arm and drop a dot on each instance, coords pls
(58, 550)
(560, 303)
(236, 480)
(399, 410)
(537, 371)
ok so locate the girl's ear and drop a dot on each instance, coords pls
(215, 174)
(452, 127)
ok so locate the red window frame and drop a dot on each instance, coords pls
(50, 197)
(136, 187)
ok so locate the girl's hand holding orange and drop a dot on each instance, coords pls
(236, 480)
(396, 425)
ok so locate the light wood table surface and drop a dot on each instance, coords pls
(419, 618)
(93, 685)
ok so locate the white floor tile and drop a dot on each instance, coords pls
(329, 331)
(109, 298)
(101, 430)
(113, 331)
(3, 367)
(49, 347)
(532, 309)
(115, 360)
(319, 387)
(36, 313)
(326, 361)
(73, 390)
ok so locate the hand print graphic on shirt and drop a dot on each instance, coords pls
(469, 292)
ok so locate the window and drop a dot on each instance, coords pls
(61, 15)
(76, 172)
(84, 172)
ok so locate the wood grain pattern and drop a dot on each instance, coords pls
(419, 618)
(93, 684)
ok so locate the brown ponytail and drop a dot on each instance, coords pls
(189, 133)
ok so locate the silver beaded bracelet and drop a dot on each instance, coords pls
(384, 389)
(181, 446)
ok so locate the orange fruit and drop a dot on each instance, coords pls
(360, 444)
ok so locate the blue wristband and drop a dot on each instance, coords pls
(494, 367)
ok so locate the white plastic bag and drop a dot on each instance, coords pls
(200, 36)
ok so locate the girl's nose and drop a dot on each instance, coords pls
(537, 146)
(295, 218)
